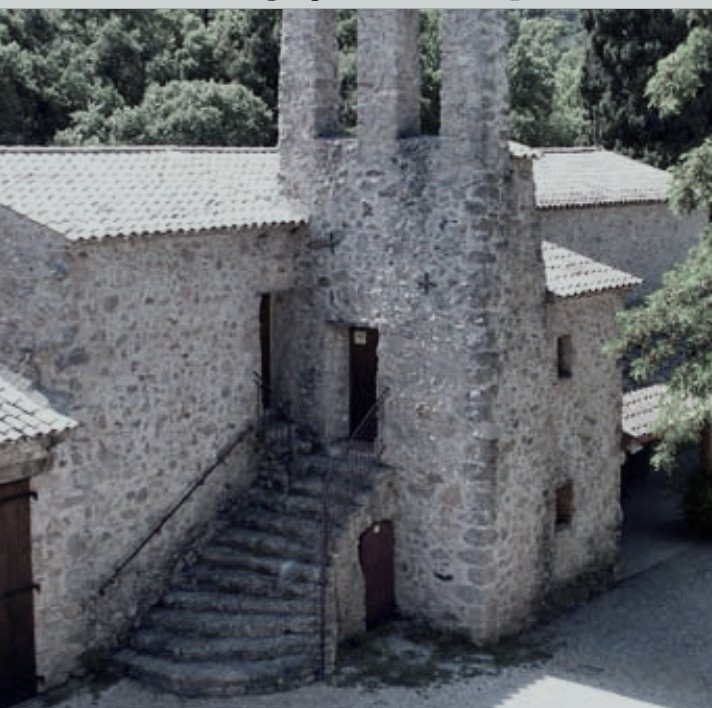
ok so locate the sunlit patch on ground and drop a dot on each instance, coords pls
(550, 692)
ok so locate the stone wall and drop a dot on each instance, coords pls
(150, 344)
(584, 440)
(643, 239)
(347, 589)
(521, 411)
(429, 241)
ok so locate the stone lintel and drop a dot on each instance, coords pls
(22, 459)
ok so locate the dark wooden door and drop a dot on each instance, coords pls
(17, 629)
(376, 554)
(266, 348)
(363, 367)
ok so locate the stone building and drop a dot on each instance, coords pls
(439, 428)
(29, 430)
(614, 209)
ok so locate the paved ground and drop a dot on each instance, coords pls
(646, 643)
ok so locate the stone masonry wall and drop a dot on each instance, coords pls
(425, 239)
(150, 344)
(643, 239)
(585, 437)
(521, 414)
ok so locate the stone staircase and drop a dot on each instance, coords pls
(245, 617)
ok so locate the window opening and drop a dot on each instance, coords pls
(564, 504)
(564, 355)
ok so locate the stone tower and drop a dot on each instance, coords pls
(429, 245)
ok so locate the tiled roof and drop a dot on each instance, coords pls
(571, 177)
(97, 192)
(569, 274)
(24, 413)
(640, 409)
(88, 193)
(520, 150)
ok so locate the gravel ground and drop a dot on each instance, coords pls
(645, 643)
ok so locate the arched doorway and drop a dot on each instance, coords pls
(376, 555)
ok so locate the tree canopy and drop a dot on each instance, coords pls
(206, 76)
(623, 48)
(87, 76)
(544, 70)
(671, 333)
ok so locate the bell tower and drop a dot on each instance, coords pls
(424, 243)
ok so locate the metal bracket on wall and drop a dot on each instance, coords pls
(331, 243)
(15, 497)
(35, 587)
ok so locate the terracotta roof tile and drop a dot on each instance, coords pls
(88, 193)
(24, 414)
(572, 177)
(640, 409)
(569, 274)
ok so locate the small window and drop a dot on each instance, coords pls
(564, 356)
(564, 504)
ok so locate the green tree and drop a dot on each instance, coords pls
(42, 74)
(71, 76)
(544, 70)
(670, 334)
(187, 113)
(246, 46)
(623, 47)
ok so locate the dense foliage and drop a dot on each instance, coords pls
(545, 61)
(210, 77)
(623, 48)
(671, 332)
(83, 76)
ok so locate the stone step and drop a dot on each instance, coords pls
(233, 603)
(245, 618)
(161, 642)
(220, 624)
(218, 678)
(285, 569)
(288, 504)
(303, 529)
(205, 576)
(305, 494)
(360, 467)
(265, 543)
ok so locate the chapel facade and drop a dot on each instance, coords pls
(312, 384)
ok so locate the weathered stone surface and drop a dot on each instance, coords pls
(643, 239)
(150, 344)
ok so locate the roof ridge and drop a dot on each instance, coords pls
(108, 149)
(573, 148)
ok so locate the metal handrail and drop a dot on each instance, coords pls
(262, 388)
(377, 406)
(222, 455)
(328, 474)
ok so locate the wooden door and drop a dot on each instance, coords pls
(17, 631)
(363, 368)
(376, 554)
